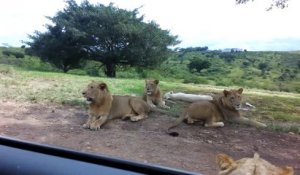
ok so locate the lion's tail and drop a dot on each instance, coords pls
(177, 122)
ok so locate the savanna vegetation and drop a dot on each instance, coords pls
(56, 65)
(106, 34)
(276, 71)
(280, 109)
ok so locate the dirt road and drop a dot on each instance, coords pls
(146, 141)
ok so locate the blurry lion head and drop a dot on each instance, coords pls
(151, 86)
(95, 92)
(249, 166)
(232, 99)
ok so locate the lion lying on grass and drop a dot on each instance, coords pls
(153, 94)
(249, 166)
(186, 97)
(224, 107)
(104, 106)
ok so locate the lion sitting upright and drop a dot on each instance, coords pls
(104, 106)
(224, 107)
(153, 95)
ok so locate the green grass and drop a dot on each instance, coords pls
(279, 109)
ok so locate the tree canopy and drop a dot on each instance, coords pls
(107, 34)
(275, 3)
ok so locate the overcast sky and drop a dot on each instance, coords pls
(217, 24)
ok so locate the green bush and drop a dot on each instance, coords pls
(35, 63)
(6, 52)
(153, 74)
(128, 74)
(14, 53)
(77, 72)
(195, 79)
(19, 55)
(93, 68)
(197, 65)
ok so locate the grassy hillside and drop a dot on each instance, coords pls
(280, 110)
(278, 71)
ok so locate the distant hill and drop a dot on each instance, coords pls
(264, 70)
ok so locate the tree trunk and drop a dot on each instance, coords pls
(110, 70)
(65, 69)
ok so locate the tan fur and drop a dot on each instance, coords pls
(224, 107)
(153, 95)
(104, 106)
(249, 166)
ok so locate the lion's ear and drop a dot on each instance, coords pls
(156, 81)
(287, 170)
(225, 162)
(102, 86)
(240, 90)
(225, 92)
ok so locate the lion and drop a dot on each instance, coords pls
(153, 94)
(104, 106)
(186, 97)
(224, 107)
(249, 166)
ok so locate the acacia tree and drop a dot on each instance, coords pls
(111, 35)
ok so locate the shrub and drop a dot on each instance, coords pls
(197, 65)
(128, 74)
(77, 72)
(195, 79)
(93, 68)
(6, 52)
(14, 53)
(35, 63)
(18, 55)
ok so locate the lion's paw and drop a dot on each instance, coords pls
(86, 126)
(165, 106)
(262, 125)
(134, 119)
(221, 124)
(152, 106)
(95, 127)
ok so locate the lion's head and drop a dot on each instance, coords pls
(251, 166)
(95, 92)
(232, 99)
(151, 86)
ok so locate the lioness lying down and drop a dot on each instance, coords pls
(186, 97)
(153, 94)
(104, 106)
(224, 107)
(249, 166)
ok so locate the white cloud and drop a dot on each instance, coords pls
(215, 23)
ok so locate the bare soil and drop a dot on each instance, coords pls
(146, 141)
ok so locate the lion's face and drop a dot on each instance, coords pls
(95, 92)
(233, 98)
(151, 86)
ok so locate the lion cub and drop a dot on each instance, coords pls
(153, 94)
(249, 166)
(224, 107)
(104, 106)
